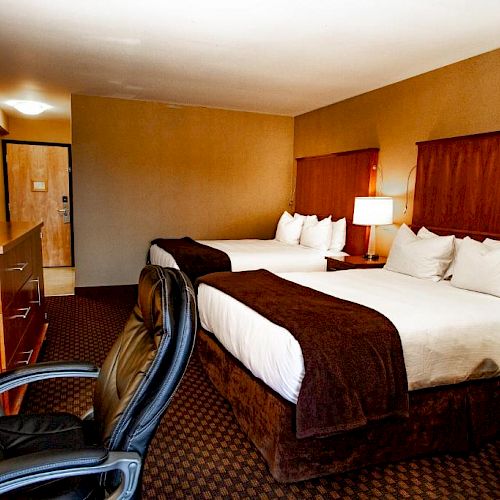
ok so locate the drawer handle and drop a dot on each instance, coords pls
(23, 315)
(18, 267)
(28, 359)
(39, 300)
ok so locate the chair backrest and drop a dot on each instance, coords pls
(147, 361)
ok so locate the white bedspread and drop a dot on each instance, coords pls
(448, 335)
(246, 255)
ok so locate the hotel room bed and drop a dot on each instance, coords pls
(451, 344)
(448, 335)
(450, 340)
(326, 186)
(248, 254)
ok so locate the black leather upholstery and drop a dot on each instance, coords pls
(134, 387)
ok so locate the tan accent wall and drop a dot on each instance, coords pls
(36, 130)
(143, 170)
(459, 99)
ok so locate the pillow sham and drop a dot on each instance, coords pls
(309, 220)
(317, 234)
(477, 267)
(491, 243)
(289, 229)
(337, 242)
(425, 258)
(425, 233)
(300, 216)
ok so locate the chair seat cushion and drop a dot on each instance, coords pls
(24, 434)
(21, 434)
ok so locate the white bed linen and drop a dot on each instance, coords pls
(246, 255)
(448, 335)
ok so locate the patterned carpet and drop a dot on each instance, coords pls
(199, 450)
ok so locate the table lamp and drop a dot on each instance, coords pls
(372, 211)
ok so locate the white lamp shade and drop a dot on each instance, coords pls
(372, 210)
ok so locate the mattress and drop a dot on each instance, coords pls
(250, 254)
(448, 335)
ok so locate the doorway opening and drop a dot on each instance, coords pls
(38, 186)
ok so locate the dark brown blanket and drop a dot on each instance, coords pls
(194, 258)
(354, 366)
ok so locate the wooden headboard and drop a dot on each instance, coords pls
(457, 188)
(327, 185)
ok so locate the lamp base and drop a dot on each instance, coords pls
(371, 256)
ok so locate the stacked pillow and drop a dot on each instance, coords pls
(289, 229)
(311, 232)
(470, 264)
(477, 266)
(425, 233)
(420, 256)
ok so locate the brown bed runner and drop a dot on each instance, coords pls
(354, 365)
(194, 258)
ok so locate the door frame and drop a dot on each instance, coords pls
(70, 180)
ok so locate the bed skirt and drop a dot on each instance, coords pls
(455, 418)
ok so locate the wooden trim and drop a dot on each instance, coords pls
(459, 137)
(38, 143)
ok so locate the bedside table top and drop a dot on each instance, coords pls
(354, 262)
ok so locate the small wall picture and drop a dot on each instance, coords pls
(38, 185)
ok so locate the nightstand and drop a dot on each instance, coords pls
(353, 262)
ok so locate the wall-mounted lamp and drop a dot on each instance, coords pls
(408, 189)
(29, 107)
(372, 211)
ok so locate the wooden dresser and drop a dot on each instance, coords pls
(22, 315)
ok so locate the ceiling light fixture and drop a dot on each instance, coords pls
(29, 107)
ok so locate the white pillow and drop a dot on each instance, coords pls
(426, 258)
(425, 233)
(317, 235)
(337, 242)
(491, 243)
(477, 267)
(289, 229)
(299, 216)
(310, 220)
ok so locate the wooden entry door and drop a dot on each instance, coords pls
(39, 189)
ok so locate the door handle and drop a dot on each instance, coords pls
(65, 213)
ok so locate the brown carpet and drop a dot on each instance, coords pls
(199, 450)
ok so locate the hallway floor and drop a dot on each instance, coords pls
(59, 281)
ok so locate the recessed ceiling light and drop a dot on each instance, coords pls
(29, 107)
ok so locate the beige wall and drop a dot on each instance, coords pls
(36, 130)
(459, 99)
(143, 170)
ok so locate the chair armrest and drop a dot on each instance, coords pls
(42, 371)
(28, 469)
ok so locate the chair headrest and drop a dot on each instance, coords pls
(152, 292)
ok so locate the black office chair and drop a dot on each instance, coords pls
(59, 455)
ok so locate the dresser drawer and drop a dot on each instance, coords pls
(23, 311)
(17, 268)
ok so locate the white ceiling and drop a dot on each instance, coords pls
(272, 56)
